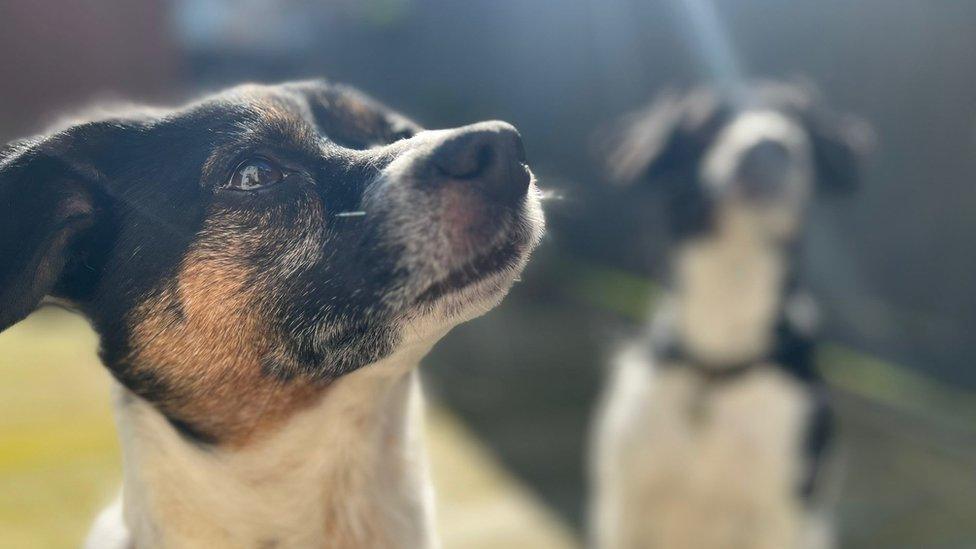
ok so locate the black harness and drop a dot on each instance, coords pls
(792, 352)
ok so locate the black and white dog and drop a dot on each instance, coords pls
(713, 429)
(265, 268)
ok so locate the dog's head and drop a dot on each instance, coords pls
(761, 160)
(262, 241)
(737, 175)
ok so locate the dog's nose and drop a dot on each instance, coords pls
(764, 167)
(489, 155)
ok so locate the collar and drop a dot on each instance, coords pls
(674, 355)
(791, 350)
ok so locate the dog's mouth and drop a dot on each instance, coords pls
(495, 260)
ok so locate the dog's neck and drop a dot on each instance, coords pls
(727, 294)
(350, 471)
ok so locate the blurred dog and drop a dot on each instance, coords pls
(265, 268)
(714, 428)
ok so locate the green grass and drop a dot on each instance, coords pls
(897, 386)
(58, 451)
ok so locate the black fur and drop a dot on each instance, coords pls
(102, 214)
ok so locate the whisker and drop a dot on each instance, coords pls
(357, 213)
(550, 194)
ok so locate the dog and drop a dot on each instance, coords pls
(714, 428)
(265, 267)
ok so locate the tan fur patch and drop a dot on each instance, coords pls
(205, 338)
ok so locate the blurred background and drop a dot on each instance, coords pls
(892, 266)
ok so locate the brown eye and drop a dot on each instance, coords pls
(255, 173)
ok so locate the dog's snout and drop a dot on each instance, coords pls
(489, 155)
(764, 168)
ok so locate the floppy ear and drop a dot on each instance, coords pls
(640, 144)
(840, 143)
(664, 137)
(352, 118)
(47, 201)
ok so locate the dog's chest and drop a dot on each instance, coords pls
(358, 482)
(728, 454)
(727, 294)
(711, 433)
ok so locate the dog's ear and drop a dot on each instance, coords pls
(654, 143)
(47, 202)
(640, 144)
(840, 143)
(352, 118)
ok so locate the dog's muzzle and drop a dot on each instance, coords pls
(488, 158)
(456, 203)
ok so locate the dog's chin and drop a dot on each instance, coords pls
(484, 265)
(474, 288)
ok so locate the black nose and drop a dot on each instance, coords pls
(764, 167)
(489, 155)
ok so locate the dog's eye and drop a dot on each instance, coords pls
(255, 173)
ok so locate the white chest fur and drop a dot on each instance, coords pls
(686, 466)
(727, 292)
(349, 472)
